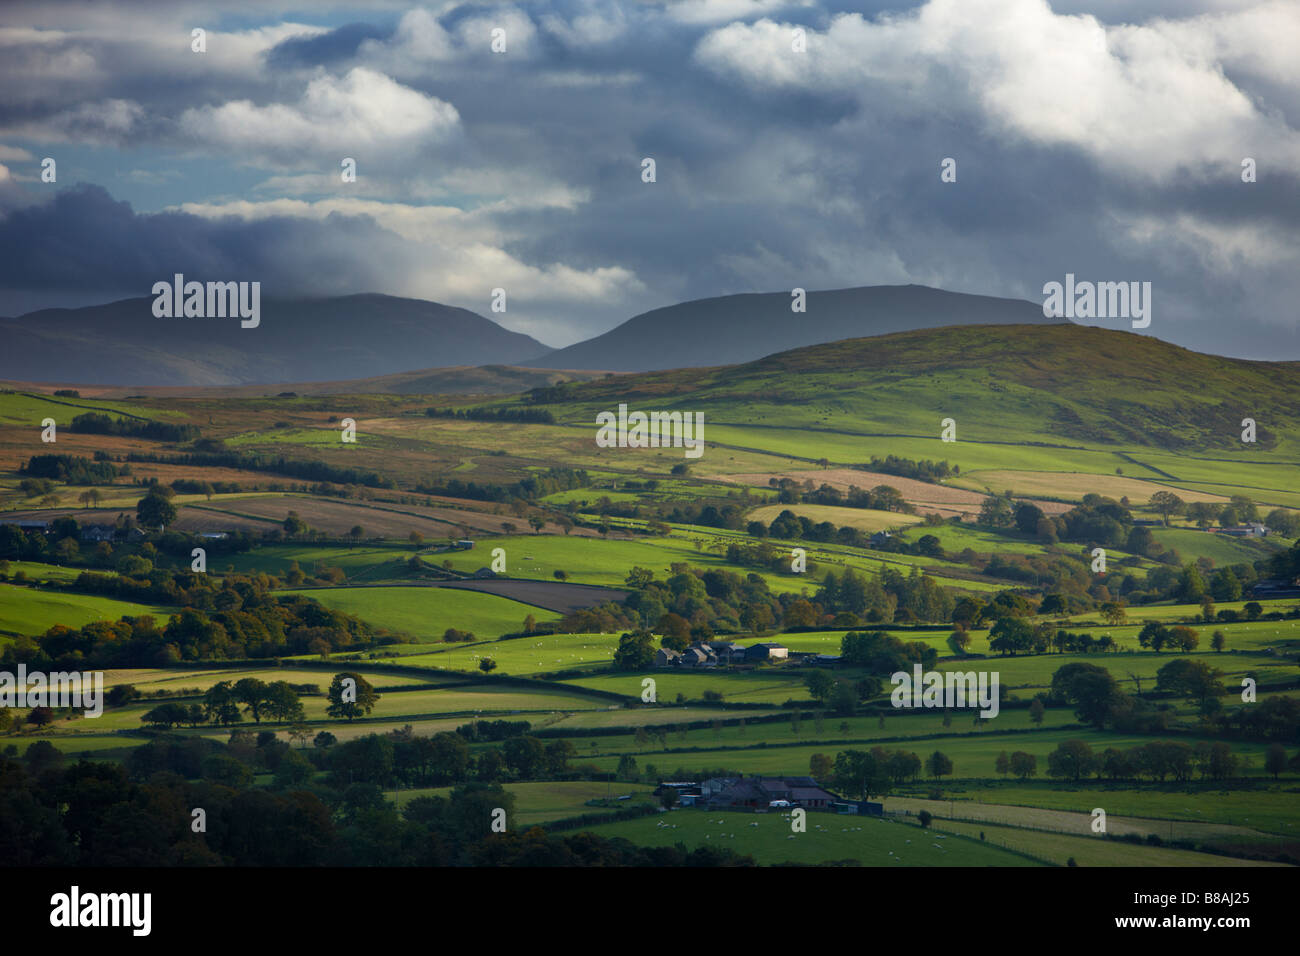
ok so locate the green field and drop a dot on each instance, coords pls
(541, 802)
(25, 610)
(1060, 848)
(426, 613)
(768, 838)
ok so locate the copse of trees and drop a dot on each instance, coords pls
(72, 470)
(528, 489)
(1075, 760)
(96, 423)
(255, 624)
(341, 821)
(536, 416)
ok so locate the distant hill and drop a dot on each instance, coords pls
(457, 380)
(740, 328)
(1049, 384)
(298, 340)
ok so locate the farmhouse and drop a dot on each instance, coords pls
(1252, 530)
(1276, 588)
(666, 657)
(761, 792)
(698, 655)
(97, 532)
(728, 653)
(42, 526)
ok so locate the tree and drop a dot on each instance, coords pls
(1218, 641)
(40, 716)
(293, 525)
(1072, 759)
(1275, 760)
(281, 703)
(416, 539)
(1024, 765)
(924, 818)
(938, 764)
(1091, 689)
(350, 696)
(1184, 638)
(859, 773)
(819, 684)
(1113, 613)
(1167, 503)
(1192, 679)
(635, 651)
(530, 624)
(1002, 764)
(1036, 711)
(627, 769)
(252, 693)
(356, 533)
(560, 575)
(820, 767)
(155, 511)
(487, 665)
(220, 706)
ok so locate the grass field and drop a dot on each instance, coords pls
(541, 802)
(768, 838)
(25, 610)
(864, 519)
(1060, 848)
(1268, 807)
(427, 613)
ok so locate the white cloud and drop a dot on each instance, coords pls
(1120, 94)
(335, 117)
(459, 254)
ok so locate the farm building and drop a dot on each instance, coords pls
(1276, 588)
(728, 653)
(666, 657)
(767, 651)
(761, 792)
(464, 544)
(698, 655)
(1252, 530)
(30, 525)
(821, 660)
(97, 532)
(483, 574)
(864, 808)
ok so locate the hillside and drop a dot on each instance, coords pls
(297, 340)
(1058, 384)
(741, 328)
(456, 380)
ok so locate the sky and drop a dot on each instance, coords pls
(1104, 140)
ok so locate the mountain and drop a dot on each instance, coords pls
(1060, 385)
(325, 339)
(740, 328)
